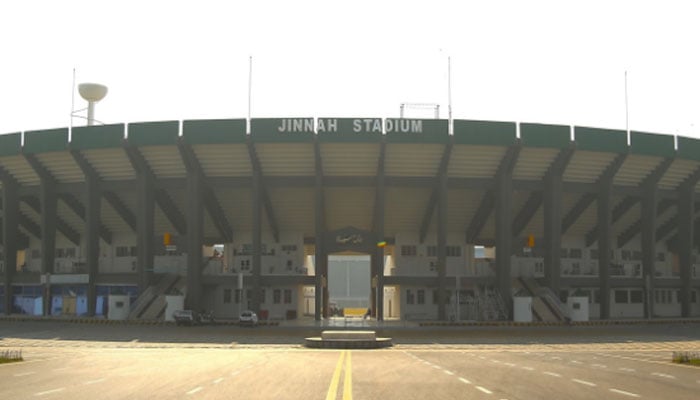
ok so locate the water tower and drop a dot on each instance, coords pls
(92, 92)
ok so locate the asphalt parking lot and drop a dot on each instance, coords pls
(79, 361)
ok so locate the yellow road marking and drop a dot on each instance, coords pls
(347, 384)
(333, 388)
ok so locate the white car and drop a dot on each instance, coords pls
(248, 317)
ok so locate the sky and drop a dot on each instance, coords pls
(557, 62)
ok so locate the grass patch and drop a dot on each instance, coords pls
(686, 357)
(9, 356)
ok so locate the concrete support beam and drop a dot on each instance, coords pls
(320, 256)
(257, 239)
(10, 235)
(118, 205)
(552, 232)
(604, 247)
(442, 246)
(92, 239)
(686, 234)
(48, 201)
(649, 205)
(145, 229)
(377, 257)
(195, 236)
(503, 195)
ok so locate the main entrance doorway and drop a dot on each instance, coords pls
(349, 283)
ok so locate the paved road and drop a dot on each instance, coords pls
(103, 364)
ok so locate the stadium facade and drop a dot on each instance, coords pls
(561, 211)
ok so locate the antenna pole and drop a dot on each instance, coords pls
(250, 87)
(627, 118)
(449, 93)
(72, 101)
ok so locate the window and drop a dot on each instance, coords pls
(596, 296)
(564, 253)
(454, 251)
(36, 254)
(660, 256)
(122, 251)
(693, 296)
(262, 296)
(69, 252)
(227, 296)
(276, 296)
(636, 297)
(421, 296)
(432, 251)
(237, 296)
(287, 296)
(289, 247)
(408, 251)
(59, 253)
(621, 296)
(133, 251)
(626, 255)
(448, 296)
(637, 255)
(575, 253)
(409, 297)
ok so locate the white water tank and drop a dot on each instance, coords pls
(522, 309)
(119, 306)
(578, 308)
(172, 304)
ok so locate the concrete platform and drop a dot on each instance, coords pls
(348, 340)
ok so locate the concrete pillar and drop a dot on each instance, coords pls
(552, 233)
(195, 238)
(504, 237)
(145, 230)
(48, 200)
(257, 240)
(604, 246)
(10, 231)
(649, 205)
(379, 233)
(442, 246)
(686, 212)
(93, 198)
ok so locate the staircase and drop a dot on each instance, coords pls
(151, 303)
(491, 305)
(546, 306)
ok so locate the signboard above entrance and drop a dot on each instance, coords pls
(348, 129)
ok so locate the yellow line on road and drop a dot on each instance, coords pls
(333, 388)
(347, 384)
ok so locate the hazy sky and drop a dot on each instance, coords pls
(557, 62)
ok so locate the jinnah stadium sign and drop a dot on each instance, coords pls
(356, 125)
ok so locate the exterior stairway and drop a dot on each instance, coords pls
(151, 303)
(546, 306)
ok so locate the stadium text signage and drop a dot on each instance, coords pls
(358, 125)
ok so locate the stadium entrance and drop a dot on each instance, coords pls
(349, 286)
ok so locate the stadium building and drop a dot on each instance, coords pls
(457, 218)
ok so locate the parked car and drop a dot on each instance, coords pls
(190, 317)
(248, 318)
